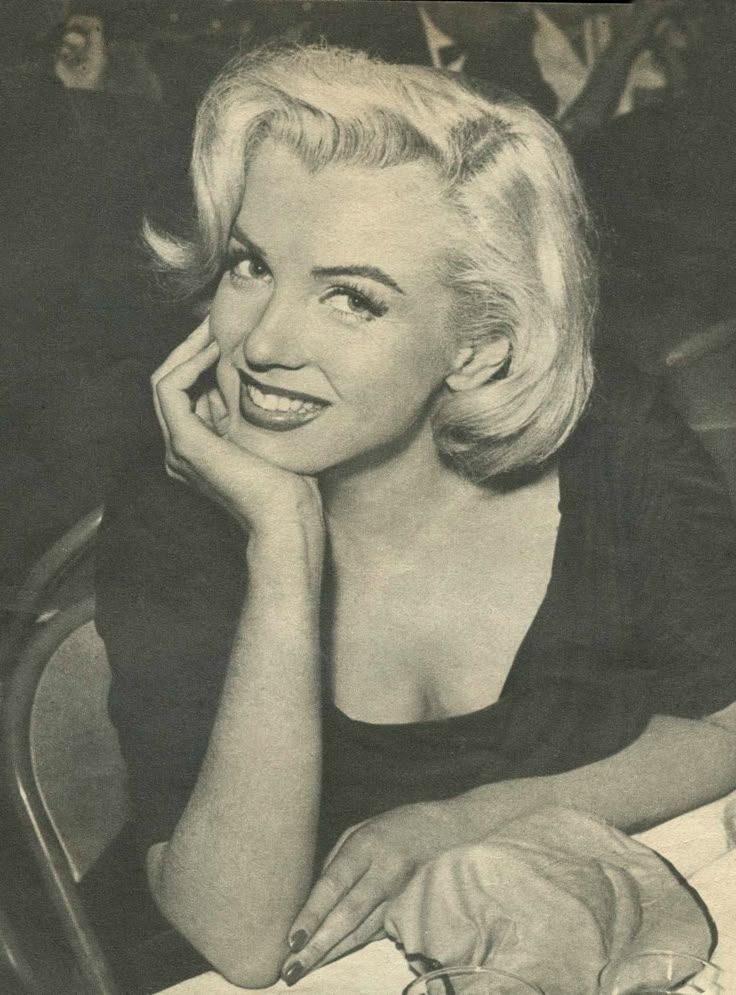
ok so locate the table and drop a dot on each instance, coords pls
(378, 969)
(697, 843)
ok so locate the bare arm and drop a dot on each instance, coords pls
(239, 863)
(674, 766)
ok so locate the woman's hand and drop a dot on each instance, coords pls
(370, 864)
(261, 496)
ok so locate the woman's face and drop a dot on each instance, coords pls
(333, 314)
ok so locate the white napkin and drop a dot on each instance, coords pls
(552, 898)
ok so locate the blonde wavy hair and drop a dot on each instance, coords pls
(519, 258)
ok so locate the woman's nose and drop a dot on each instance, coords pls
(276, 339)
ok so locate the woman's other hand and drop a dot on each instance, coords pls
(264, 498)
(370, 864)
(82, 57)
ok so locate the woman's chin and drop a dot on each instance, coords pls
(280, 448)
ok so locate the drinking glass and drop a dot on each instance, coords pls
(470, 981)
(661, 972)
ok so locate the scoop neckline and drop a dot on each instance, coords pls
(467, 718)
(420, 723)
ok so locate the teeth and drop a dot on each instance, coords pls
(277, 402)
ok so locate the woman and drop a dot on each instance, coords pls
(390, 632)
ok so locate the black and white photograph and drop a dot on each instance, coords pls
(368, 497)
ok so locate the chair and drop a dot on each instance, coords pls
(701, 376)
(62, 768)
(59, 577)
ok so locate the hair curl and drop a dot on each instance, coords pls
(519, 260)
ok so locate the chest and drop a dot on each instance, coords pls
(435, 634)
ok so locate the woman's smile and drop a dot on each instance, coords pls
(274, 408)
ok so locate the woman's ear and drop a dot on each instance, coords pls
(475, 365)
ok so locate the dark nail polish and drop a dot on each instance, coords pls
(298, 940)
(294, 973)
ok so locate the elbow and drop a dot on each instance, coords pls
(247, 957)
(246, 961)
(249, 975)
(244, 965)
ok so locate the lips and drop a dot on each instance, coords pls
(274, 408)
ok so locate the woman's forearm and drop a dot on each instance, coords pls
(239, 864)
(674, 766)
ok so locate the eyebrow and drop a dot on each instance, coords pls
(369, 272)
(247, 243)
(322, 272)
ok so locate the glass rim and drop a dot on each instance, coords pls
(663, 952)
(457, 969)
(607, 973)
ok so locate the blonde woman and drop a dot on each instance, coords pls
(390, 599)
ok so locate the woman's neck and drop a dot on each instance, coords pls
(391, 500)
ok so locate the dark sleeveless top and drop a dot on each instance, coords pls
(639, 619)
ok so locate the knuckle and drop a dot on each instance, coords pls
(353, 911)
(334, 884)
(366, 844)
(398, 872)
(315, 951)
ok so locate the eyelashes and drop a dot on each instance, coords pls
(350, 302)
(258, 270)
(360, 304)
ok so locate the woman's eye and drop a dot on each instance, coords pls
(248, 267)
(355, 305)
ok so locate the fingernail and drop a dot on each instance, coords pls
(298, 940)
(294, 973)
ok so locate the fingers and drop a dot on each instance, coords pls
(344, 837)
(174, 405)
(355, 919)
(368, 932)
(327, 893)
(219, 416)
(192, 346)
(210, 408)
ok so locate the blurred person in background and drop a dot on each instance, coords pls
(80, 325)
(661, 182)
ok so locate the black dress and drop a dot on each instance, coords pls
(638, 620)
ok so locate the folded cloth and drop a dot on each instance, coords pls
(553, 898)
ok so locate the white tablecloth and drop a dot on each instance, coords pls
(696, 843)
